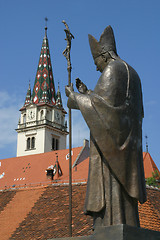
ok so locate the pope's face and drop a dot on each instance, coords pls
(100, 63)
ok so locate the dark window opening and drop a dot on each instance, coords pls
(53, 143)
(57, 144)
(24, 118)
(28, 143)
(33, 142)
(41, 114)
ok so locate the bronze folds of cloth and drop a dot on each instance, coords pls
(113, 112)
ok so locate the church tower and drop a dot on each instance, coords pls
(42, 126)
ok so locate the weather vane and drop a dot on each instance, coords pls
(46, 20)
(66, 53)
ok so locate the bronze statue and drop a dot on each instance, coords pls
(113, 113)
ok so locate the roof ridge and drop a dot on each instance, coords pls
(23, 188)
(26, 156)
(153, 188)
(26, 188)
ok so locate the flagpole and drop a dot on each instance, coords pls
(66, 53)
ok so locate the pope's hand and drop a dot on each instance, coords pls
(69, 89)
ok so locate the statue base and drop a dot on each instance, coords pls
(118, 232)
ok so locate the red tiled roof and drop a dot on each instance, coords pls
(5, 198)
(30, 170)
(17, 209)
(149, 212)
(47, 215)
(149, 165)
(48, 218)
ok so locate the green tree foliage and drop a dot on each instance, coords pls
(154, 180)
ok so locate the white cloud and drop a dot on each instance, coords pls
(4, 96)
(9, 106)
(8, 122)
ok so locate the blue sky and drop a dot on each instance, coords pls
(136, 26)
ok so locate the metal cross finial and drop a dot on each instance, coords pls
(46, 20)
(58, 85)
(68, 38)
(146, 143)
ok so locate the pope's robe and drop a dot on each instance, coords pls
(113, 113)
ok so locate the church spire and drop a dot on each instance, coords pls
(42, 113)
(28, 96)
(58, 98)
(44, 74)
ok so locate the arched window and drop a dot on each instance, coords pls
(33, 142)
(24, 118)
(57, 144)
(28, 143)
(53, 143)
(47, 115)
(41, 114)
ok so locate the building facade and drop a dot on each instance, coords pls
(42, 126)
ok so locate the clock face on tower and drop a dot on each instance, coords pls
(31, 114)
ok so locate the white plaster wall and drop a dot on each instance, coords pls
(62, 144)
(43, 141)
(43, 136)
(49, 134)
(49, 115)
(53, 115)
(48, 140)
(39, 145)
(22, 145)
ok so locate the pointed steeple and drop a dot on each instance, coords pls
(28, 96)
(44, 75)
(59, 99)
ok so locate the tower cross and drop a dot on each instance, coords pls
(46, 20)
(146, 143)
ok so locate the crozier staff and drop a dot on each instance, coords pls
(66, 53)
